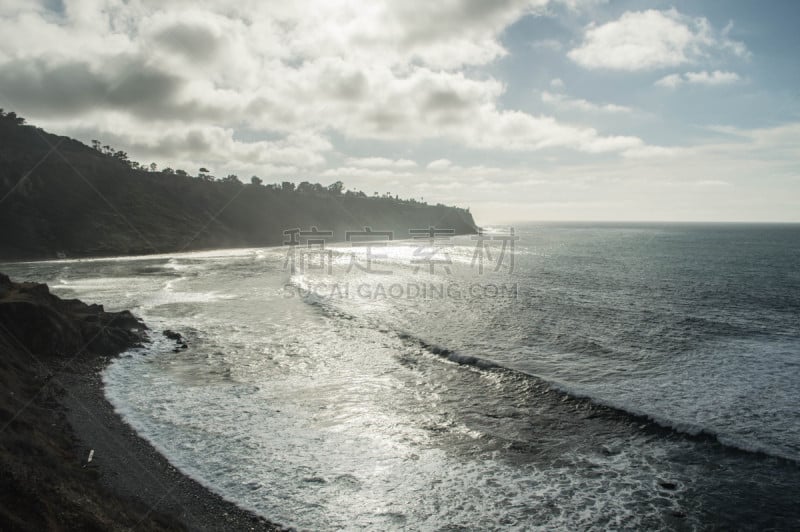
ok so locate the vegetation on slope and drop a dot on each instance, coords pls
(59, 197)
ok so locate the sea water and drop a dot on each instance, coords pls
(566, 376)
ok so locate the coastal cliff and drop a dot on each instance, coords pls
(67, 461)
(61, 198)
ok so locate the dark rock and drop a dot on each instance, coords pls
(57, 412)
(127, 320)
(172, 335)
(667, 485)
(46, 326)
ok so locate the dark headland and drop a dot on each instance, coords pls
(53, 414)
(63, 198)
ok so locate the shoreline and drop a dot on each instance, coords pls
(67, 459)
(132, 468)
(91, 257)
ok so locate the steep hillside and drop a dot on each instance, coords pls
(59, 197)
(52, 413)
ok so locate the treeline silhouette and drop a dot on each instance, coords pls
(59, 197)
(304, 187)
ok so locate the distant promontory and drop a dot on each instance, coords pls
(61, 198)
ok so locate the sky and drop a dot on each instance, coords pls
(518, 109)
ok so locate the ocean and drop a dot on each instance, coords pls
(563, 376)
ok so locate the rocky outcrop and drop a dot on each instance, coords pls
(53, 416)
(45, 483)
(47, 326)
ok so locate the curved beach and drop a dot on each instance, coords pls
(55, 414)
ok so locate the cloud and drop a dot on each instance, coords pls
(579, 5)
(652, 152)
(439, 164)
(721, 179)
(197, 41)
(517, 131)
(716, 77)
(73, 86)
(358, 176)
(380, 162)
(646, 40)
(563, 102)
(388, 72)
(712, 183)
(671, 81)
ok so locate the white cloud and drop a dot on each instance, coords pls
(563, 102)
(711, 78)
(670, 80)
(439, 164)
(579, 5)
(380, 162)
(716, 77)
(712, 183)
(517, 131)
(719, 180)
(389, 71)
(651, 39)
(356, 175)
(651, 152)
(722, 179)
